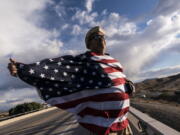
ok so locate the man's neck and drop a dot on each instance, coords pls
(98, 53)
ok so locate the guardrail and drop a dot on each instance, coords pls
(145, 125)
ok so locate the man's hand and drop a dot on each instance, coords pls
(12, 67)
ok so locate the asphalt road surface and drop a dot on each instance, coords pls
(54, 122)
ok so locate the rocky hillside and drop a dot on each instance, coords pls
(170, 83)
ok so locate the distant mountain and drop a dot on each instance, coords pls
(170, 83)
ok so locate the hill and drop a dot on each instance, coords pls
(170, 83)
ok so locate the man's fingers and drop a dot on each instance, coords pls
(12, 61)
(12, 69)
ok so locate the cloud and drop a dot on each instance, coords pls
(19, 31)
(76, 30)
(22, 38)
(89, 5)
(163, 72)
(165, 7)
(13, 97)
(85, 17)
(60, 9)
(137, 49)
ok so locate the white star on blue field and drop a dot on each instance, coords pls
(143, 35)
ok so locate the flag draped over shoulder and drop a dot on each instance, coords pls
(89, 85)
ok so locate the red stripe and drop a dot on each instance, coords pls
(95, 54)
(119, 81)
(107, 61)
(104, 113)
(105, 131)
(111, 70)
(96, 98)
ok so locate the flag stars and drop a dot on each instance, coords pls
(93, 73)
(31, 71)
(59, 63)
(52, 78)
(82, 79)
(68, 67)
(51, 60)
(21, 65)
(90, 81)
(35, 83)
(64, 73)
(84, 56)
(56, 85)
(47, 96)
(42, 75)
(50, 89)
(109, 84)
(56, 71)
(96, 67)
(59, 93)
(88, 64)
(46, 67)
(70, 90)
(78, 85)
(38, 63)
(76, 69)
(41, 88)
(73, 76)
(99, 83)
(85, 71)
(71, 61)
(102, 75)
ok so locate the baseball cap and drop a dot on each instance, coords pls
(92, 31)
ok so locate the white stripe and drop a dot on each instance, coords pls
(116, 75)
(106, 105)
(102, 122)
(120, 87)
(83, 94)
(97, 58)
(115, 64)
(103, 65)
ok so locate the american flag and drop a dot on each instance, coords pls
(88, 85)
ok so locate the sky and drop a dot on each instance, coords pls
(144, 35)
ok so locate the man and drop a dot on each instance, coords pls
(90, 85)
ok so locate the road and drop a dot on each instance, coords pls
(54, 122)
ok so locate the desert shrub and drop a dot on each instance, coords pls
(25, 107)
(169, 97)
